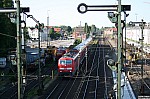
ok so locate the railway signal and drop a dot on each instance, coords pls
(111, 64)
(83, 8)
(112, 17)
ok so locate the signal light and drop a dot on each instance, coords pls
(111, 64)
(112, 17)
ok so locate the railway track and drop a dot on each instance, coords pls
(137, 80)
(95, 83)
(32, 83)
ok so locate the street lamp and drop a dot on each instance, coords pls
(47, 27)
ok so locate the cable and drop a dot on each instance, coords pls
(8, 35)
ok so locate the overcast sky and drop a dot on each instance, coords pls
(64, 12)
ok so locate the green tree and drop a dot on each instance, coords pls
(89, 29)
(69, 29)
(7, 29)
(93, 28)
(26, 34)
(57, 35)
(36, 26)
(1, 3)
(86, 28)
(66, 28)
(42, 25)
(8, 3)
(77, 41)
(52, 33)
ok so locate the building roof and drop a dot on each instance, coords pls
(57, 29)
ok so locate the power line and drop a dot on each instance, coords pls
(8, 35)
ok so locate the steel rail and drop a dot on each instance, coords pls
(146, 83)
(76, 96)
(77, 93)
(52, 91)
(96, 87)
(87, 83)
(106, 91)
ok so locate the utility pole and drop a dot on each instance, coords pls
(18, 48)
(120, 64)
(142, 38)
(47, 29)
(39, 60)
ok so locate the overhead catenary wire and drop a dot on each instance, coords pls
(8, 35)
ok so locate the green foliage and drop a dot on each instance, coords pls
(93, 28)
(53, 34)
(1, 3)
(51, 31)
(8, 30)
(89, 29)
(26, 34)
(42, 25)
(36, 26)
(86, 28)
(8, 3)
(69, 29)
(77, 41)
(66, 28)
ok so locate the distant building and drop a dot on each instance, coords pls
(112, 31)
(135, 33)
(56, 29)
(79, 33)
(33, 34)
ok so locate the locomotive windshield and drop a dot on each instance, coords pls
(65, 62)
(68, 61)
(62, 62)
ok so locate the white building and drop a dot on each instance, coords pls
(135, 33)
(33, 34)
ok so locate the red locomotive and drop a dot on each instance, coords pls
(69, 62)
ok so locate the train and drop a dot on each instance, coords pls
(55, 53)
(29, 58)
(32, 57)
(68, 64)
(59, 53)
(51, 52)
(2, 62)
